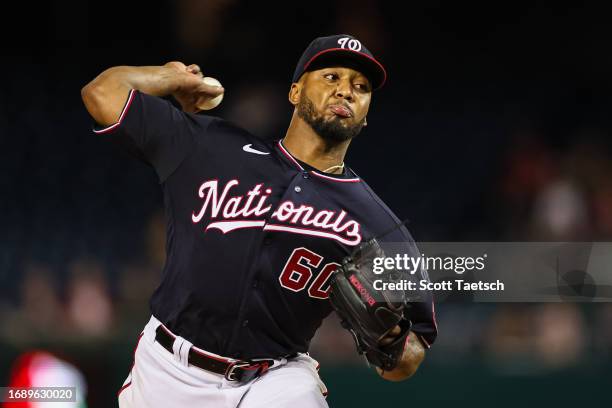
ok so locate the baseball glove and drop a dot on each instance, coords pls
(370, 314)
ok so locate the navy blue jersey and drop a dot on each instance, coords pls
(253, 234)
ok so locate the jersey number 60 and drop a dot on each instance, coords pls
(298, 272)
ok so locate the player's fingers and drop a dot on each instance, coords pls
(211, 89)
(390, 336)
(386, 341)
(194, 69)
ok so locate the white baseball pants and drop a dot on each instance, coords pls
(161, 379)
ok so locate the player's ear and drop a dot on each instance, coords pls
(294, 93)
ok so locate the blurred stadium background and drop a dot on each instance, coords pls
(495, 125)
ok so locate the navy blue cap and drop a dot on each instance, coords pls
(341, 50)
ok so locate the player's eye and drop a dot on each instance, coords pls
(330, 76)
(362, 86)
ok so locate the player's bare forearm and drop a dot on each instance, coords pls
(414, 353)
(105, 96)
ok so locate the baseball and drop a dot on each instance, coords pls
(210, 103)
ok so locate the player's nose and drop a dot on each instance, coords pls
(344, 90)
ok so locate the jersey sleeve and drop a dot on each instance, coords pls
(423, 316)
(422, 311)
(156, 132)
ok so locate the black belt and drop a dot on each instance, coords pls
(243, 371)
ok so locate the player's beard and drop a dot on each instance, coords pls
(332, 130)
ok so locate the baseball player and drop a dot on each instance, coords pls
(255, 232)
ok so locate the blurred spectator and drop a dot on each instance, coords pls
(528, 168)
(559, 334)
(89, 307)
(524, 337)
(602, 209)
(510, 333)
(560, 213)
(40, 314)
(561, 194)
(40, 303)
(40, 368)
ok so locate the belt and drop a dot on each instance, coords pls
(232, 370)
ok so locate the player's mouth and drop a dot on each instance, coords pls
(341, 110)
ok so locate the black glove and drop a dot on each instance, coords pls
(370, 314)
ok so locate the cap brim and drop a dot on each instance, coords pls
(365, 64)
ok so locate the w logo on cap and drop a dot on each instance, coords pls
(350, 43)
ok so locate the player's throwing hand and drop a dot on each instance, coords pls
(191, 91)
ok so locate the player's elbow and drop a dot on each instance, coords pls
(104, 97)
(92, 95)
(98, 92)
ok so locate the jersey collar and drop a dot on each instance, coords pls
(303, 167)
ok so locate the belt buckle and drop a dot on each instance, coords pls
(250, 370)
(232, 375)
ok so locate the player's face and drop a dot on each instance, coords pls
(334, 102)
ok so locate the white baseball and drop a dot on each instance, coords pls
(210, 103)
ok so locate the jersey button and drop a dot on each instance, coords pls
(305, 175)
(255, 283)
(245, 323)
(298, 189)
